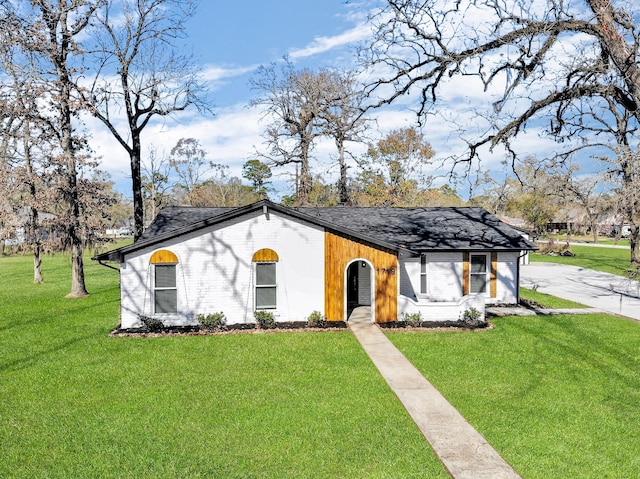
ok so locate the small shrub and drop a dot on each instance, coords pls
(151, 324)
(316, 320)
(212, 321)
(265, 319)
(473, 318)
(412, 320)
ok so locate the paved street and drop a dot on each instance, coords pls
(607, 292)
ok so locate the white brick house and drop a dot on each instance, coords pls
(293, 261)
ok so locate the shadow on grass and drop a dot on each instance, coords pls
(583, 350)
(32, 320)
(34, 358)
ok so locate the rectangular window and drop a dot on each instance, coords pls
(165, 290)
(478, 274)
(266, 286)
(423, 274)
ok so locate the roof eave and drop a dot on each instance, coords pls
(118, 254)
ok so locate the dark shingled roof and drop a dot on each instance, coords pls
(173, 218)
(414, 229)
(421, 229)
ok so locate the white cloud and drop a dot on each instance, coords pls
(215, 73)
(324, 44)
(229, 138)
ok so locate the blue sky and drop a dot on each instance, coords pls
(230, 40)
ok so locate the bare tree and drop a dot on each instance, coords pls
(343, 120)
(510, 47)
(585, 192)
(293, 100)
(220, 189)
(46, 35)
(141, 74)
(155, 183)
(188, 161)
(560, 65)
(624, 170)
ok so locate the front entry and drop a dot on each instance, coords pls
(359, 274)
(358, 287)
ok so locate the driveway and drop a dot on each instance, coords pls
(604, 291)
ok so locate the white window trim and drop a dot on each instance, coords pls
(164, 288)
(487, 273)
(257, 286)
(424, 273)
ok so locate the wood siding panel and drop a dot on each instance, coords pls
(265, 254)
(163, 256)
(339, 252)
(465, 273)
(493, 281)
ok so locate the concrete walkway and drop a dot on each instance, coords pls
(604, 291)
(462, 450)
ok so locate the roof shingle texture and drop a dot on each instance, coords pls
(417, 229)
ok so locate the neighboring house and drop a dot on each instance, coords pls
(293, 261)
(14, 231)
(520, 225)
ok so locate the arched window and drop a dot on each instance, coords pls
(165, 291)
(265, 261)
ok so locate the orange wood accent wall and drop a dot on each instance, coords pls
(265, 254)
(338, 253)
(493, 282)
(465, 273)
(163, 256)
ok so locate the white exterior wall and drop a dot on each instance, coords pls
(444, 300)
(441, 311)
(507, 287)
(444, 276)
(409, 277)
(215, 271)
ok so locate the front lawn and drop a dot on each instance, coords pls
(75, 402)
(548, 301)
(609, 260)
(556, 396)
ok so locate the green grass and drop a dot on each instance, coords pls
(77, 403)
(609, 260)
(588, 239)
(613, 242)
(547, 300)
(556, 396)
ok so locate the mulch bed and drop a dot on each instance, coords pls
(251, 328)
(293, 326)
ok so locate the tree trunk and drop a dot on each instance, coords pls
(136, 182)
(37, 263)
(78, 288)
(342, 187)
(621, 53)
(37, 247)
(304, 190)
(634, 241)
(34, 230)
